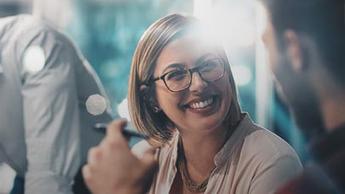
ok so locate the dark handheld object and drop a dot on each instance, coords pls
(101, 127)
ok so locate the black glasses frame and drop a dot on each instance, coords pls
(191, 71)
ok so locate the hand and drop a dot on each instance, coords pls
(112, 167)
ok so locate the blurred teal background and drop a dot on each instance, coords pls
(107, 31)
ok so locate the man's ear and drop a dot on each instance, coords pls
(294, 50)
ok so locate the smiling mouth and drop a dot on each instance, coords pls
(201, 104)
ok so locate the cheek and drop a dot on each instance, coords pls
(225, 89)
(272, 60)
(167, 100)
(270, 54)
(228, 96)
(271, 49)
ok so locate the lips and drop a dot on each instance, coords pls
(201, 103)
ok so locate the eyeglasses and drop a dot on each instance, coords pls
(181, 78)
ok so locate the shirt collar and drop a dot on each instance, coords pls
(234, 141)
(244, 128)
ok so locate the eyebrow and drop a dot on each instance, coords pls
(174, 65)
(207, 55)
(179, 65)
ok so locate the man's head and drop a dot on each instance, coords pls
(305, 42)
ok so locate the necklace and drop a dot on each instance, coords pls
(187, 181)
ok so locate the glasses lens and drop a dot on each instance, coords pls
(212, 70)
(177, 80)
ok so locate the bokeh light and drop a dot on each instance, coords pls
(96, 104)
(34, 59)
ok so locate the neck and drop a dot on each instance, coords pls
(200, 150)
(333, 110)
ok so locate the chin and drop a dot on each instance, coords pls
(209, 124)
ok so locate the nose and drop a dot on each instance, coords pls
(197, 83)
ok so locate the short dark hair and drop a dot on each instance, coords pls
(321, 20)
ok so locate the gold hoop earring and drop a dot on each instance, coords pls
(156, 109)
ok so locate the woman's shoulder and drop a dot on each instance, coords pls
(267, 144)
(257, 140)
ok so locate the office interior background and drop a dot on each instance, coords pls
(107, 31)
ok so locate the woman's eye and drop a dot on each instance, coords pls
(209, 66)
(176, 75)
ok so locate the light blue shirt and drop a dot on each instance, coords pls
(45, 128)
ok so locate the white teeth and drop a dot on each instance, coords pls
(202, 104)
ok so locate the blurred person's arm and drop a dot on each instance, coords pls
(112, 167)
(51, 113)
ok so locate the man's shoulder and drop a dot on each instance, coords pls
(28, 27)
(31, 22)
(21, 30)
(23, 21)
(311, 180)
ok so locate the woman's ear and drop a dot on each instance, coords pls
(294, 50)
(143, 88)
(144, 93)
(154, 104)
(151, 100)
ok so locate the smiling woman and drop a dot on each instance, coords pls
(183, 95)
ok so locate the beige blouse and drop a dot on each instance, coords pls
(253, 160)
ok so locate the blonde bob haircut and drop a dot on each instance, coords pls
(141, 94)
